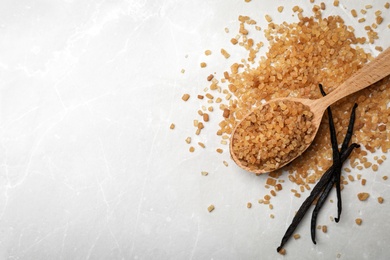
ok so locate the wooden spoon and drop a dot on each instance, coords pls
(366, 76)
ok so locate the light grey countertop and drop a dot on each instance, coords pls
(89, 168)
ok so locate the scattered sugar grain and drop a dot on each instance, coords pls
(271, 181)
(185, 97)
(283, 251)
(210, 208)
(209, 96)
(358, 221)
(225, 53)
(203, 64)
(249, 205)
(380, 200)
(204, 173)
(367, 165)
(226, 113)
(363, 196)
(379, 19)
(295, 8)
(172, 126)
(324, 228)
(378, 48)
(280, 9)
(296, 236)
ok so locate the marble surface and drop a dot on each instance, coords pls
(89, 168)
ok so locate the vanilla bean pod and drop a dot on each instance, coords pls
(336, 177)
(326, 177)
(320, 202)
(336, 157)
(322, 189)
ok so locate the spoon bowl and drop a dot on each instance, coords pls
(369, 74)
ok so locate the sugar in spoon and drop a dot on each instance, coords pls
(369, 74)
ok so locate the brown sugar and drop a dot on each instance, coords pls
(363, 196)
(273, 135)
(293, 66)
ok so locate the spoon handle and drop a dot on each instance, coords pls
(364, 77)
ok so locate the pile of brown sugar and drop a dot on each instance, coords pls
(300, 56)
